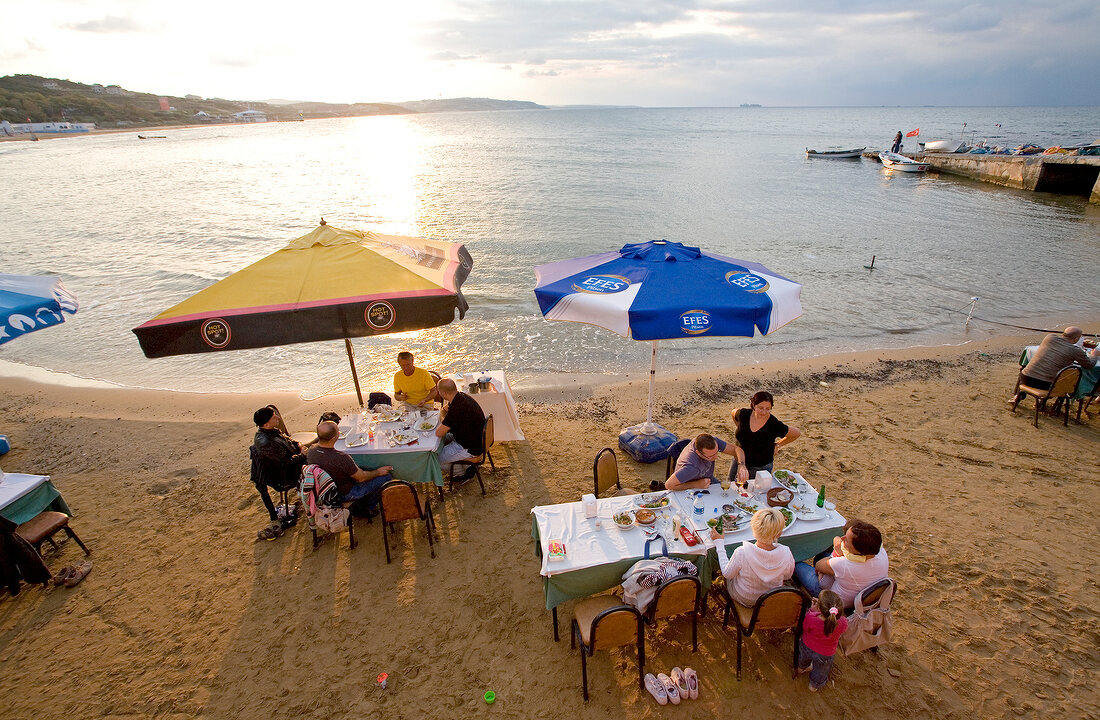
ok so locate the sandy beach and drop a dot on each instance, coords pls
(186, 614)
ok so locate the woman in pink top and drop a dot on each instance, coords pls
(754, 569)
(821, 631)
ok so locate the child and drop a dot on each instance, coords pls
(821, 631)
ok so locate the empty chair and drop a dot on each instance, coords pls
(1061, 389)
(399, 501)
(678, 596)
(44, 526)
(605, 474)
(603, 622)
(779, 609)
(477, 461)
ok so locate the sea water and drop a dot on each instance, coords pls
(135, 226)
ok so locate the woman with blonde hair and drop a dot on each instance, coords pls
(755, 568)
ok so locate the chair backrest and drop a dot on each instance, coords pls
(399, 501)
(676, 597)
(778, 609)
(1066, 382)
(435, 376)
(605, 471)
(674, 455)
(614, 627)
(487, 433)
(872, 593)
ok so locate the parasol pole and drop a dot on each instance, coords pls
(648, 428)
(351, 360)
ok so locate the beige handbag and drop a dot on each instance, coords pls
(332, 519)
(870, 626)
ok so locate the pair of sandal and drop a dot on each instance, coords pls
(73, 574)
(681, 684)
(271, 532)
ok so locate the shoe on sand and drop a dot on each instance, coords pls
(656, 689)
(692, 678)
(269, 533)
(670, 688)
(64, 574)
(680, 679)
(80, 571)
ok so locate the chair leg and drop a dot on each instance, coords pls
(584, 672)
(314, 531)
(69, 531)
(554, 612)
(52, 542)
(440, 489)
(351, 532)
(641, 654)
(477, 471)
(794, 660)
(385, 540)
(491, 463)
(1065, 410)
(694, 631)
(1080, 404)
(428, 527)
(738, 650)
(1038, 405)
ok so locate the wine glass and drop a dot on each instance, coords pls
(725, 486)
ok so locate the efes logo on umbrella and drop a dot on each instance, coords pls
(216, 333)
(747, 281)
(602, 284)
(695, 322)
(380, 315)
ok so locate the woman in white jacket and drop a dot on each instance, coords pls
(753, 569)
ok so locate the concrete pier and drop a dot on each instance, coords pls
(1065, 174)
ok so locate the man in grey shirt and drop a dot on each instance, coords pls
(1054, 353)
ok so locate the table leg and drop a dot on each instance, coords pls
(555, 613)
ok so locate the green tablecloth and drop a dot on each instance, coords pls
(44, 496)
(418, 466)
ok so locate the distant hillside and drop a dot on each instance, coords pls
(52, 100)
(466, 104)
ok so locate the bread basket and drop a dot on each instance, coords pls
(774, 497)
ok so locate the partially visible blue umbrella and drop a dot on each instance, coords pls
(663, 290)
(32, 302)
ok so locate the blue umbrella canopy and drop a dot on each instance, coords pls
(662, 290)
(32, 302)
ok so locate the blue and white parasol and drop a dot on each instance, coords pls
(32, 302)
(664, 290)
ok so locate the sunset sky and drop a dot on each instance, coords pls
(639, 52)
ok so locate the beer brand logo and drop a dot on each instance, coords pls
(216, 333)
(747, 281)
(602, 284)
(695, 322)
(380, 315)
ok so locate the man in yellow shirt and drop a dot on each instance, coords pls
(413, 385)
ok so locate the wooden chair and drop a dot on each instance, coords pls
(399, 501)
(604, 622)
(605, 474)
(487, 441)
(779, 609)
(44, 526)
(676, 597)
(1060, 390)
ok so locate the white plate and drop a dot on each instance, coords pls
(425, 425)
(404, 438)
(390, 416)
(363, 441)
(791, 483)
(812, 513)
(640, 500)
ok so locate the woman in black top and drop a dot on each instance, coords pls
(758, 434)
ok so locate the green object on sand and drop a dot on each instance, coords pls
(490, 697)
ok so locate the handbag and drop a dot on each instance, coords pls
(871, 626)
(332, 519)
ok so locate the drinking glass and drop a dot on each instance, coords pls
(725, 486)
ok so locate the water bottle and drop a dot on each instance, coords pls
(698, 504)
(821, 496)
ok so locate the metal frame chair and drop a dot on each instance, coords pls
(1065, 383)
(487, 441)
(676, 597)
(779, 609)
(44, 526)
(674, 454)
(398, 500)
(603, 622)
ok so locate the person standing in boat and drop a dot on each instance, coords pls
(896, 147)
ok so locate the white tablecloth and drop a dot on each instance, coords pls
(16, 485)
(426, 442)
(498, 401)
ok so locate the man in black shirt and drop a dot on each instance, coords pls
(464, 420)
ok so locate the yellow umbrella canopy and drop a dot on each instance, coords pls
(326, 285)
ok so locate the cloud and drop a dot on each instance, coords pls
(232, 61)
(19, 53)
(107, 24)
(541, 73)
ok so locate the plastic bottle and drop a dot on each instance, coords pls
(821, 496)
(698, 504)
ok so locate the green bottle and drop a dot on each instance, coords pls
(821, 496)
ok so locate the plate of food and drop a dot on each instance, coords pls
(807, 512)
(652, 501)
(623, 520)
(425, 425)
(645, 516)
(787, 479)
(745, 506)
(788, 515)
(403, 438)
(388, 416)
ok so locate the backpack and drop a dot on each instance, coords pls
(870, 626)
(323, 509)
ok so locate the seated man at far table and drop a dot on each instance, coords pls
(352, 482)
(1054, 353)
(695, 466)
(411, 384)
(464, 420)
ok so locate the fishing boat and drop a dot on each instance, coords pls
(835, 153)
(893, 161)
(946, 146)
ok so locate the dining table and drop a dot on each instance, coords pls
(597, 554)
(398, 440)
(496, 399)
(23, 496)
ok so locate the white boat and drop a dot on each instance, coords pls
(835, 153)
(947, 146)
(893, 161)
